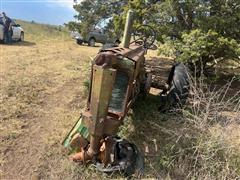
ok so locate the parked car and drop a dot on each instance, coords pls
(96, 36)
(18, 32)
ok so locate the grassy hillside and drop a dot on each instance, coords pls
(42, 95)
(43, 31)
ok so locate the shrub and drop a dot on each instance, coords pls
(168, 48)
(207, 49)
(202, 50)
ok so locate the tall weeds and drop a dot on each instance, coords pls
(207, 145)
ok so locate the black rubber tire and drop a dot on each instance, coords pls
(21, 37)
(79, 42)
(179, 87)
(92, 42)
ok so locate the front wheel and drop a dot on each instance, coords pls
(91, 42)
(21, 37)
(80, 42)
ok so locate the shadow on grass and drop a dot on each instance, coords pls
(24, 43)
(86, 45)
(152, 132)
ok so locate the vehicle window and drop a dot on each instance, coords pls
(13, 23)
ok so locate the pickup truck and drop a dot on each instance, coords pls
(93, 37)
(18, 32)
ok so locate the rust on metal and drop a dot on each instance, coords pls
(118, 76)
(133, 52)
(102, 84)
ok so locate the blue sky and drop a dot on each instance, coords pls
(44, 11)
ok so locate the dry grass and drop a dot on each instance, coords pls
(198, 142)
(211, 148)
(42, 95)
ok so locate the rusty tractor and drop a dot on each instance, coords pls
(118, 77)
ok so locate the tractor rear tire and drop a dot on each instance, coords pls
(179, 87)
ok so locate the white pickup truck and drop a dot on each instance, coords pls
(18, 32)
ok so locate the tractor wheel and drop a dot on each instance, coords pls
(178, 88)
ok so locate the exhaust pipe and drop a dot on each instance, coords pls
(128, 29)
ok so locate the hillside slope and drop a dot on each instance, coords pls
(42, 31)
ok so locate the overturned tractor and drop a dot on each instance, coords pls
(118, 77)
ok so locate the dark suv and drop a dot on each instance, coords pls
(94, 36)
